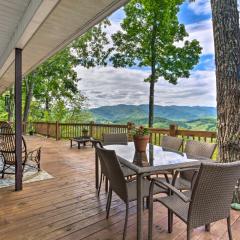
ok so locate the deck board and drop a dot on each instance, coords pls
(66, 207)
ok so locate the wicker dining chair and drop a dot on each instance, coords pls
(193, 149)
(127, 172)
(171, 143)
(202, 149)
(209, 202)
(125, 189)
(115, 138)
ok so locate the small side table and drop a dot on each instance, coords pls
(79, 141)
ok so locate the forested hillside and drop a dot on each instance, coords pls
(202, 118)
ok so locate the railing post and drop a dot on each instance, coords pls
(91, 128)
(24, 128)
(130, 126)
(48, 129)
(173, 130)
(57, 131)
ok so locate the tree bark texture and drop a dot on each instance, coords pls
(153, 76)
(11, 105)
(29, 95)
(151, 104)
(227, 58)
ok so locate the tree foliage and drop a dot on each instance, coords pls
(54, 84)
(152, 37)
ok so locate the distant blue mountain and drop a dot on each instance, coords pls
(124, 113)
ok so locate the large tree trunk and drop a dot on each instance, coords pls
(227, 53)
(29, 95)
(11, 105)
(152, 77)
(151, 104)
(47, 104)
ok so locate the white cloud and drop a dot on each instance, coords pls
(200, 7)
(203, 32)
(110, 86)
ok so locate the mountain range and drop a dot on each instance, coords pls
(196, 117)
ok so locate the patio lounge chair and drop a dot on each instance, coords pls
(125, 189)
(7, 151)
(209, 202)
(171, 143)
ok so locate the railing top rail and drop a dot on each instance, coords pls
(159, 129)
(86, 124)
(196, 133)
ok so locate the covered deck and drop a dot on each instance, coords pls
(66, 207)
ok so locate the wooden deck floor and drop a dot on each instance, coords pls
(67, 208)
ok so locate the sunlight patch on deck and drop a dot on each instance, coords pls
(30, 175)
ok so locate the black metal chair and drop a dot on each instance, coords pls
(7, 150)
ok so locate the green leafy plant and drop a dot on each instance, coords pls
(140, 131)
(151, 37)
(85, 130)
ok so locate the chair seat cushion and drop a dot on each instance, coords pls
(180, 184)
(132, 189)
(127, 171)
(177, 205)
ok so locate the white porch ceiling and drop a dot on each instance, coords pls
(11, 12)
(42, 27)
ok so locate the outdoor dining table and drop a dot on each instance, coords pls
(155, 159)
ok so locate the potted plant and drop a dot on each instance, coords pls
(31, 129)
(140, 138)
(236, 197)
(85, 132)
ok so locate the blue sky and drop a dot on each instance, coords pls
(110, 86)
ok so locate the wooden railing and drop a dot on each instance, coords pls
(70, 130)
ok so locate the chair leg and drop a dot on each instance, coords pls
(188, 233)
(39, 167)
(108, 198)
(126, 222)
(109, 202)
(100, 184)
(170, 221)
(150, 212)
(3, 171)
(229, 228)
(106, 185)
(208, 227)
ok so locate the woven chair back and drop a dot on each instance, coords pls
(212, 193)
(115, 138)
(114, 172)
(171, 143)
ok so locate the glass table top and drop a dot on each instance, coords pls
(154, 158)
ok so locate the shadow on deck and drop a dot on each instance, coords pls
(66, 207)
